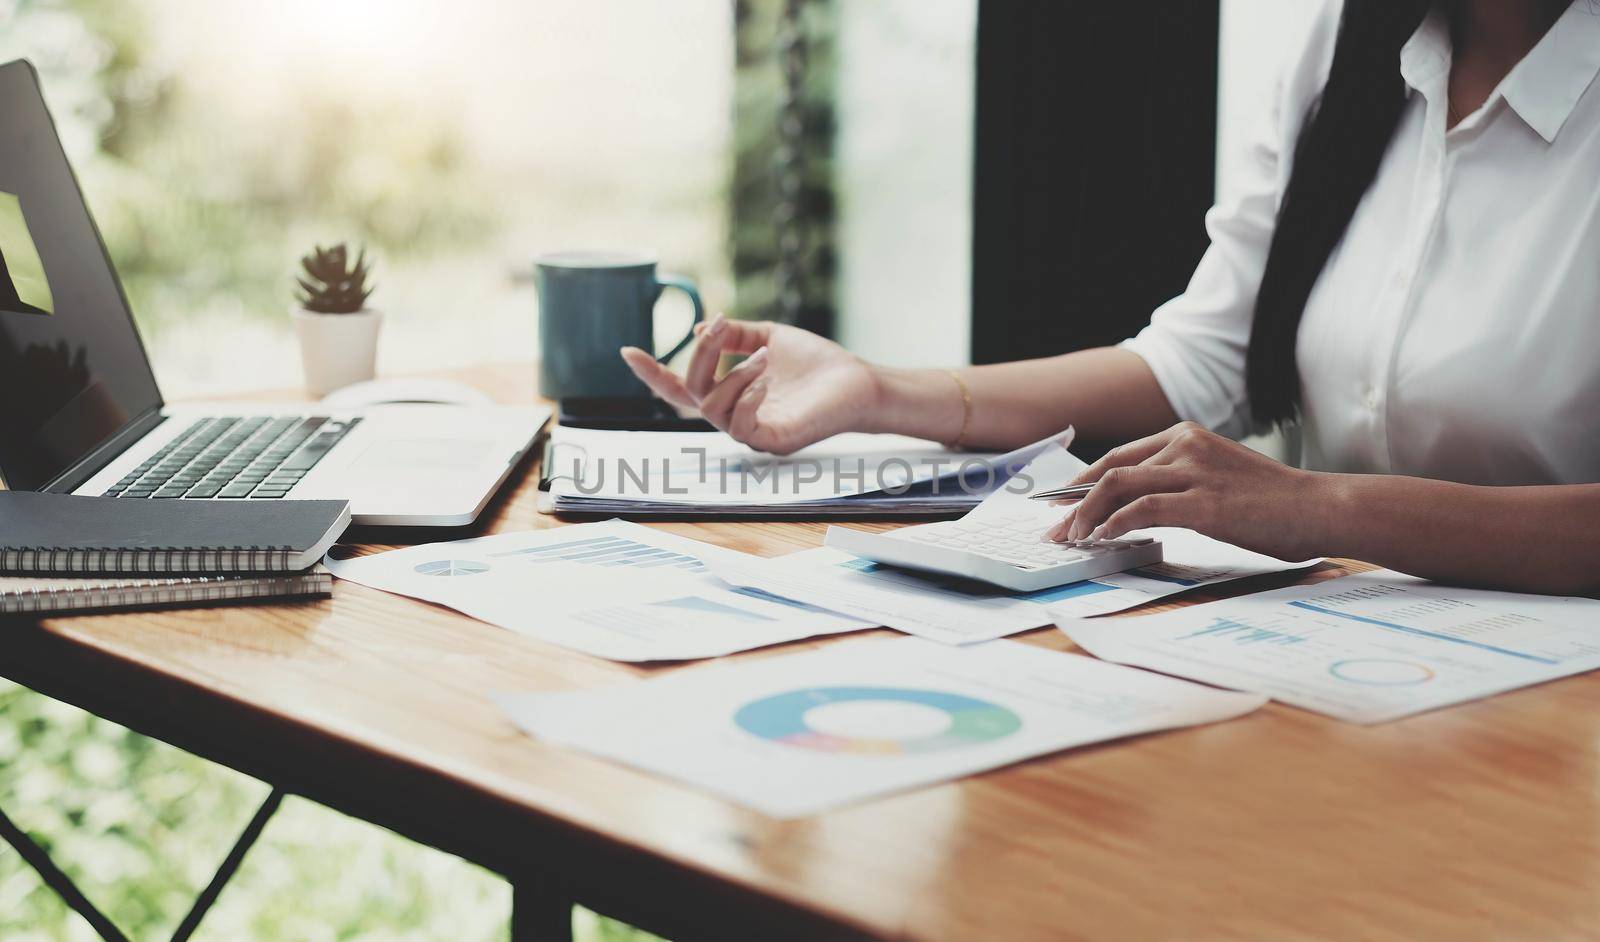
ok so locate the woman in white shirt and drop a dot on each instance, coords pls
(1411, 271)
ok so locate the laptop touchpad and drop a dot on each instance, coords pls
(423, 454)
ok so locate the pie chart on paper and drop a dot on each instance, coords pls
(882, 721)
(451, 567)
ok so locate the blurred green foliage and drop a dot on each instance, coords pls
(206, 207)
(759, 92)
(141, 827)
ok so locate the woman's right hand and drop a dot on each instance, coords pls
(795, 388)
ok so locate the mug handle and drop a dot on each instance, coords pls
(687, 287)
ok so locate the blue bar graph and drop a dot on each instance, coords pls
(1241, 633)
(556, 548)
(607, 551)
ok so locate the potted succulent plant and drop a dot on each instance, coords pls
(338, 333)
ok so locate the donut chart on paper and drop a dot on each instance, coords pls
(1381, 672)
(876, 720)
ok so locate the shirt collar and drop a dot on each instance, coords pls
(1546, 85)
(1426, 55)
(1542, 89)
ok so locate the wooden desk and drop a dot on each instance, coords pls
(1477, 822)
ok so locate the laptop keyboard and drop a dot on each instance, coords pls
(228, 456)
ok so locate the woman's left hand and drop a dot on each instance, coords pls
(1189, 477)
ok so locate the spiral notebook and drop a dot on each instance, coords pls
(65, 534)
(47, 596)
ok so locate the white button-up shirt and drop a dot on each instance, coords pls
(1455, 331)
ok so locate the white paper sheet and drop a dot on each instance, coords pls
(594, 470)
(955, 611)
(612, 589)
(1366, 648)
(797, 734)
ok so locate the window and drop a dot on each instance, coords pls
(217, 142)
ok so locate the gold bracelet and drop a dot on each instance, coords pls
(966, 411)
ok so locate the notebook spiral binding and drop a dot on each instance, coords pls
(156, 559)
(182, 590)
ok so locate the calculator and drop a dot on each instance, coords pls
(1000, 550)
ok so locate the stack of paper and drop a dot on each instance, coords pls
(800, 733)
(599, 471)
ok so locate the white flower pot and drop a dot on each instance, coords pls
(337, 349)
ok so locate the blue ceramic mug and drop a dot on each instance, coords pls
(591, 304)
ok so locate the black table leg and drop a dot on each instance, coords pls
(540, 912)
(57, 881)
(62, 885)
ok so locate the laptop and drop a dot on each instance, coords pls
(80, 411)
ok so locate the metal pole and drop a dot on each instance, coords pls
(230, 866)
(58, 881)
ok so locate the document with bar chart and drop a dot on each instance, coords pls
(612, 589)
(1367, 648)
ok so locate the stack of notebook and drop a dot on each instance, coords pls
(61, 553)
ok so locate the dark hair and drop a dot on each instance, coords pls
(1335, 159)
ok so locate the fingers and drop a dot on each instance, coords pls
(746, 336)
(721, 336)
(1151, 510)
(1062, 530)
(743, 336)
(718, 337)
(1122, 486)
(1154, 510)
(743, 424)
(702, 372)
(717, 406)
(662, 381)
(1132, 453)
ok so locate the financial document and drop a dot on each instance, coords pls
(612, 589)
(797, 734)
(1366, 648)
(960, 611)
(607, 471)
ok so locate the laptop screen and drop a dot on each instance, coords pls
(73, 371)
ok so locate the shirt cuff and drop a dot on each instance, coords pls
(1175, 373)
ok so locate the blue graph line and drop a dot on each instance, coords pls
(1422, 632)
(764, 596)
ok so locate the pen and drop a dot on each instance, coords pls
(1074, 492)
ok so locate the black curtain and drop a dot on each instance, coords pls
(1093, 168)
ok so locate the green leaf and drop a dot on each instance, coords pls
(332, 284)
